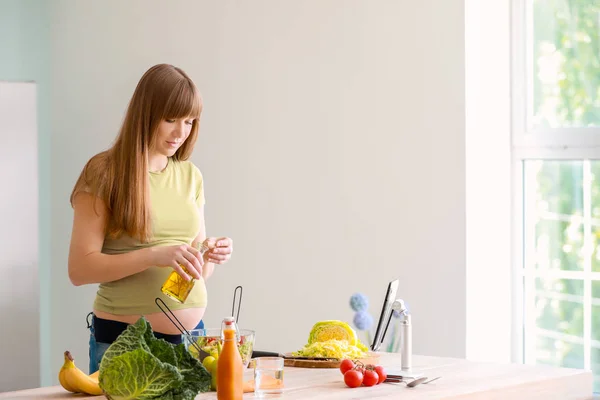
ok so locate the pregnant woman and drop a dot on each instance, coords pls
(139, 215)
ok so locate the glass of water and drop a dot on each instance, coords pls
(268, 376)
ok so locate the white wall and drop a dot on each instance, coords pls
(332, 145)
(19, 286)
(25, 57)
(488, 184)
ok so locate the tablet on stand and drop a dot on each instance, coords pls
(391, 303)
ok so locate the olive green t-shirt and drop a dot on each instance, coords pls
(176, 197)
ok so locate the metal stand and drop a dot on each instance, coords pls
(404, 371)
(397, 305)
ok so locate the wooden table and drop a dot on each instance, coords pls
(461, 379)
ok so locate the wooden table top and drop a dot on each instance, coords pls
(461, 379)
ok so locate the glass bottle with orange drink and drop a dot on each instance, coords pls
(230, 376)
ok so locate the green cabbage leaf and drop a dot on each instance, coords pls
(332, 329)
(140, 366)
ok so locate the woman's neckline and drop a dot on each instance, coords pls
(164, 169)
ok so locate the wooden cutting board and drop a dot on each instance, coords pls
(371, 358)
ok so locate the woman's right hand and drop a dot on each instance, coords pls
(177, 256)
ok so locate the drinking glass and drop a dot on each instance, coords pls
(268, 376)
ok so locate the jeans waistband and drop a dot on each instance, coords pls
(107, 331)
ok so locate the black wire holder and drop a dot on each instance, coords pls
(180, 327)
(237, 317)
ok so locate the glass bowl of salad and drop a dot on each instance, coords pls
(209, 343)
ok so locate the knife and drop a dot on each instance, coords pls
(257, 353)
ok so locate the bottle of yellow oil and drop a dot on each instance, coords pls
(178, 288)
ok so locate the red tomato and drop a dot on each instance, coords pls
(381, 373)
(371, 378)
(346, 365)
(353, 378)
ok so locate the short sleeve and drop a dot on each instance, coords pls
(93, 179)
(199, 186)
(86, 188)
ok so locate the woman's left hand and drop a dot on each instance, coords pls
(220, 250)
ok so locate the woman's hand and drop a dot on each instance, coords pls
(219, 251)
(178, 256)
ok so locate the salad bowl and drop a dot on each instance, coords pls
(202, 343)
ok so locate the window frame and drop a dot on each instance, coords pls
(539, 142)
(575, 144)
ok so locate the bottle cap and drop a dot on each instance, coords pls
(202, 247)
(229, 320)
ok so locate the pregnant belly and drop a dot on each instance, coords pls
(189, 317)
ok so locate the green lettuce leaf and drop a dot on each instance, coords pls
(139, 366)
(138, 375)
(131, 339)
(163, 350)
(196, 378)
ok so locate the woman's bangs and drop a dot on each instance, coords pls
(184, 102)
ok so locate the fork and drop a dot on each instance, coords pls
(412, 383)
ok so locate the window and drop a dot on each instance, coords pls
(556, 150)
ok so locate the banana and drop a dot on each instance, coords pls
(61, 374)
(75, 380)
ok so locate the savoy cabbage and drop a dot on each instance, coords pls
(140, 366)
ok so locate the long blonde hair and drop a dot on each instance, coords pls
(119, 175)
